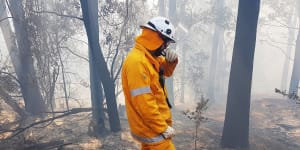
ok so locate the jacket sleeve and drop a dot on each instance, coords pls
(142, 98)
(168, 66)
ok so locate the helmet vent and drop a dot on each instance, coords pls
(167, 22)
(168, 31)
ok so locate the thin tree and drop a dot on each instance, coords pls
(170, 80)
(98, 67)
(9, 35)
(25, 72)
(216, 48)
(161, 7)
(294, 83)
(291, 37)
(236, 124)
(185, 20)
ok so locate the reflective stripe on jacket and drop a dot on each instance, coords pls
(147, 110)
(148, 139)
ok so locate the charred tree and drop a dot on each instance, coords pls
(216, 48)
(291, 37)
(161, 7)
(294, 83)
(236, 124)
(26, 74)
(296, 71)
(98, 65)
(170, 80)
(183, 19)
(9, 36)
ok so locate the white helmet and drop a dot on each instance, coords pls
(161, 25)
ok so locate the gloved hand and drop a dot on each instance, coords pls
(171, 56)
(168, 133)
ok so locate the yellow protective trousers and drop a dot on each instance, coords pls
(162, 145)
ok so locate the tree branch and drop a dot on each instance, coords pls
(5, 18)
(57, 14)
(119, 43)
(9, 8)
(279, 48)
(11, 102)
(280, 26)
(67, 48)
(48, 145)
(9, 74)
(119, 70)
(72, 111)
(293, 96)
(86, 43)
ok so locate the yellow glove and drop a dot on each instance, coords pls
(171, 56)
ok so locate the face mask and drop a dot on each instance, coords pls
(160, 51)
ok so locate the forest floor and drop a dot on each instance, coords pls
(274, 125)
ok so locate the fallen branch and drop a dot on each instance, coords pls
(48, 145)
(56, 112)
(293, 96)
(72, 111)
(5, 18)
(11, 102)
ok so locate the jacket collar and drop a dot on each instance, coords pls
(148, 55)
(150, 39)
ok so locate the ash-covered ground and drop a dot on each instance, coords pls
(274, 125)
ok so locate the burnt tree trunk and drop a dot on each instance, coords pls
(291, 38)
(26, 74)
(98, 65)
(294, 83)
(236, 124)
(170, 80)
(216, 49)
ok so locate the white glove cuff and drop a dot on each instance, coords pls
(169, 132)
(171, 56)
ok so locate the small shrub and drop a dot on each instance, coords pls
(197, 116)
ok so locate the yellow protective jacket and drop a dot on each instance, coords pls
(147, 110)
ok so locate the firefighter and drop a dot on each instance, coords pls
(143, 73)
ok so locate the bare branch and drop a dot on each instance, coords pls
(8, 6)
(108, 22)
(279, 48)
(119, 43)
(86, 43)
(119, 70)
(5, 18)
(56, 112)
(72, 111)
(57, 14)
(57, 144)
(11, 102)
(280, 26)
(71, 51)
(292, 96)
(9, 74)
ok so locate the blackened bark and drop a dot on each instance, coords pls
(99, 67)
(26, 74)
(294, 83)
(236, 125)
